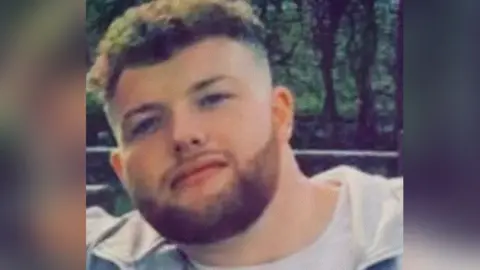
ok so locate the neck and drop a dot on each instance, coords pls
(295, 218)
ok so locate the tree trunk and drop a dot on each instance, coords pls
(399, 71)
(366, 125)
(327, 15)
(330, 111)
(366, 129)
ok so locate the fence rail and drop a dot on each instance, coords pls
(102, 190)
(307, 152)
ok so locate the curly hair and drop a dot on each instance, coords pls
(153, 32)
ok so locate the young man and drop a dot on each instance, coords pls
(203, 150)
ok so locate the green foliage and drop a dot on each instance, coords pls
(100, 14)
(94, 105)
(296, 61)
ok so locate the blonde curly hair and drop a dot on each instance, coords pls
(153, 32)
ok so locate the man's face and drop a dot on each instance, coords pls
(200, 140)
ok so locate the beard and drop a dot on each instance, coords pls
(230, 212)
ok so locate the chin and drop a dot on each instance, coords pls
(207, 193)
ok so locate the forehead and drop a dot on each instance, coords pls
(211, 57)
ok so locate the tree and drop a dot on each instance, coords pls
(399, 70)
(100, 14)
(338, 56)
(326, 16)
(362, 52)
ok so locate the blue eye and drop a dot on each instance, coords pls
(213, 100)
(146, 126)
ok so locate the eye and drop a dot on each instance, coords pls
(213, 99)
(146, 126)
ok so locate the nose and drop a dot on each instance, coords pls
(188, 136)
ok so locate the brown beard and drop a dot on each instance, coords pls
(232, 212)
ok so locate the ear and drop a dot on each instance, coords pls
(283, 112)
(116, 162)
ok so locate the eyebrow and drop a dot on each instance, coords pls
(146, 107)
(155, 106)
(201, 85)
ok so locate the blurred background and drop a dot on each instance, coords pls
(39, 192)
(317, 46)
(343, 60)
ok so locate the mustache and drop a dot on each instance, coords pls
(169, 175)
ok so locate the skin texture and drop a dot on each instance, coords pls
(242, 123)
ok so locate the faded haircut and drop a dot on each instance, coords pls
(152, 33)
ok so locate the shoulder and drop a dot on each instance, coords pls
(365, 184)
(107, 231)
(125, 240)
(373, 196)
(98, 221)
(376, 204)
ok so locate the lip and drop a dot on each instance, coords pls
(196, 171)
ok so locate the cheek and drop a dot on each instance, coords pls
(243, 129)
(145, 164)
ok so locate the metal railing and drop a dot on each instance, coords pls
(111, 196)
(92, 189)
(307, 152)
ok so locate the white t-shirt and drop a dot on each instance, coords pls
(331, 251)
